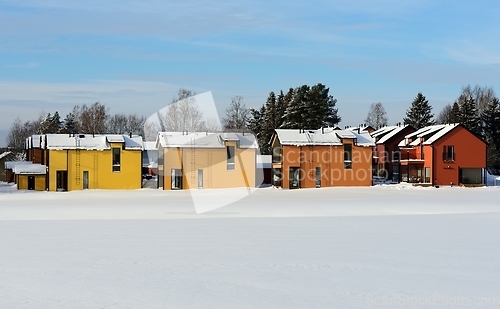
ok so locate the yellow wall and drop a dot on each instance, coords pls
(98, 163)
(22, 182)
(213, 163)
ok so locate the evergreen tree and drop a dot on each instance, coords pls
(256, 126)
(491, 120)
(321, 108)
(297, 110)
(419, 115)
(455, 113)
(469, 115)
(281, 104)
(45, 124)
(55, 124)
(68, 126)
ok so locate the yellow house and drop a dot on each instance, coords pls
(206, 160)
(79, 161)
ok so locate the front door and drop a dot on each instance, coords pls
(85, 180)
(62, 180)
(176, 175)
(200, 179)
(294, 178)
(31, 182)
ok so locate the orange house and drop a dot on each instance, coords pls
(321, 158)
(386, 156)
(441, 155)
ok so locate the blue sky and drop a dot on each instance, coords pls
(133, 56)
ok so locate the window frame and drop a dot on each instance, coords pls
(230, 162)
(347, 156)
(116, 164)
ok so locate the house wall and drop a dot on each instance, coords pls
(98, 163)
(470, 152)
(22, 182)
(213, 162)
(331, 161)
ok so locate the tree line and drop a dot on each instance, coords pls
(84, 119)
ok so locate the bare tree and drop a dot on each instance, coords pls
(236, 115)
(117, 124)
(183, 114)
(481, 95)
(91, 119)
(444, 115)
(377, 116)
(135, 124)
(449, 114)
(19, 131)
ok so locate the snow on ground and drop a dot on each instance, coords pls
(384, 246)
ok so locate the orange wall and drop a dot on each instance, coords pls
(470, 152)
(331, 161)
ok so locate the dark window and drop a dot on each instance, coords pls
(116, 159)
(448, 153)
(347, 156)
(318, 177)
(230, 158)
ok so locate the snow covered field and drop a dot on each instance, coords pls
(384, 246)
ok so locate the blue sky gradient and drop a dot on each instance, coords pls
(133, 56)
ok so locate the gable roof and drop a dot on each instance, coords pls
(204, 140)
(430, 134)
(325, 137)
(389, 134)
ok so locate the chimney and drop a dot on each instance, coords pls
(130, 134)
(322, 130)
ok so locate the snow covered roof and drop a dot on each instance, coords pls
(440, 133)
(326, 136)
(204, 139)
(427, 135)
(29, 169)
(10, 164)
(89, 141)
(4, 154)
(390, 133)
(383, 131)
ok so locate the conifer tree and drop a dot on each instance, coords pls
(45, 124)
(491, 120)
(469, 115)
(297, 110)
(419, 115)
(55, 124)
(69, 124)
(455, 113)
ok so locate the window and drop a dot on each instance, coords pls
(348, 156)
(230, 158)
(116, 159)
(448, 153)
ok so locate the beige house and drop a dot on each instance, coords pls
(206, 160)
